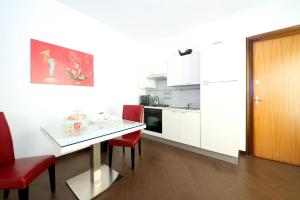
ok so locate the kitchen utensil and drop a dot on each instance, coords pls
(156, 100)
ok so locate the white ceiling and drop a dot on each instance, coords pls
(150, 20)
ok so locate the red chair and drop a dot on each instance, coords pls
(132, 113)
(19, 173)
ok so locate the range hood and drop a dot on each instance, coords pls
(161, 76)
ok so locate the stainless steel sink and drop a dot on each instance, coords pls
(194, 108)
(178, 107)
(185, 107)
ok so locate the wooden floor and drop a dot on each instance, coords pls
(168, 173)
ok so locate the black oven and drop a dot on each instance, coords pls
(153, 119)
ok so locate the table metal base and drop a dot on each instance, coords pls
(85, 189)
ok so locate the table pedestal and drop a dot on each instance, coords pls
(93, 182)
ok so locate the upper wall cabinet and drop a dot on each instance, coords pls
(175, 71)
(184, 70)
(158, 66)
(222, 61)
(145, 82)
(150, 71)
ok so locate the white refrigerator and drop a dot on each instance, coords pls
(220, 101)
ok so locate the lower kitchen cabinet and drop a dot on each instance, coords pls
(170, 125)
(181, 126)
(189, 128)
(221, 117)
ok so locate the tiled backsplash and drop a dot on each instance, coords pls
(176, 96)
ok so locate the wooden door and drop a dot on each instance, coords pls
(276, 99)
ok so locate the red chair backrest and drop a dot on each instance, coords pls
(133, 112)
(6, 143)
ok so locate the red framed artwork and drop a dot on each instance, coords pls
(52, 64)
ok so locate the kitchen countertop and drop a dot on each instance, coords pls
(192, 109)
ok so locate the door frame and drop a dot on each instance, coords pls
(249, 76)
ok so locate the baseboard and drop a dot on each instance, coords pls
(242, 152)
(204, 152)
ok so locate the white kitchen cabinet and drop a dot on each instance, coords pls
(143, 81)
(191, 69)
(158, 66)
(170, 125)
(181, 126)
(175, 71)
(189, 128)
(184, 70)
(150, 71)
(221, 117)
(219, 62)
(221, 94)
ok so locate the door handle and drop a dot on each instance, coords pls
(256, 98)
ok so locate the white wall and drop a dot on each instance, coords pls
(271, 15)
(27, 105)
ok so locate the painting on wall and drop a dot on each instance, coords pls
(52, 64)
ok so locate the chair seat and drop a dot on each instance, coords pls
(128, 140)
(19, 173)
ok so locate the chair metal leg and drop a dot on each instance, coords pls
(23, 194)
(110, 152)
(140, 150)
(6, 193)
(51, 172)
(123, 150)
(132, 157)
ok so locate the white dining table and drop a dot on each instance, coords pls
(99, 178)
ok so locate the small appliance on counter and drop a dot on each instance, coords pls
(148, 100)
(145, 100)
(156, 101)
